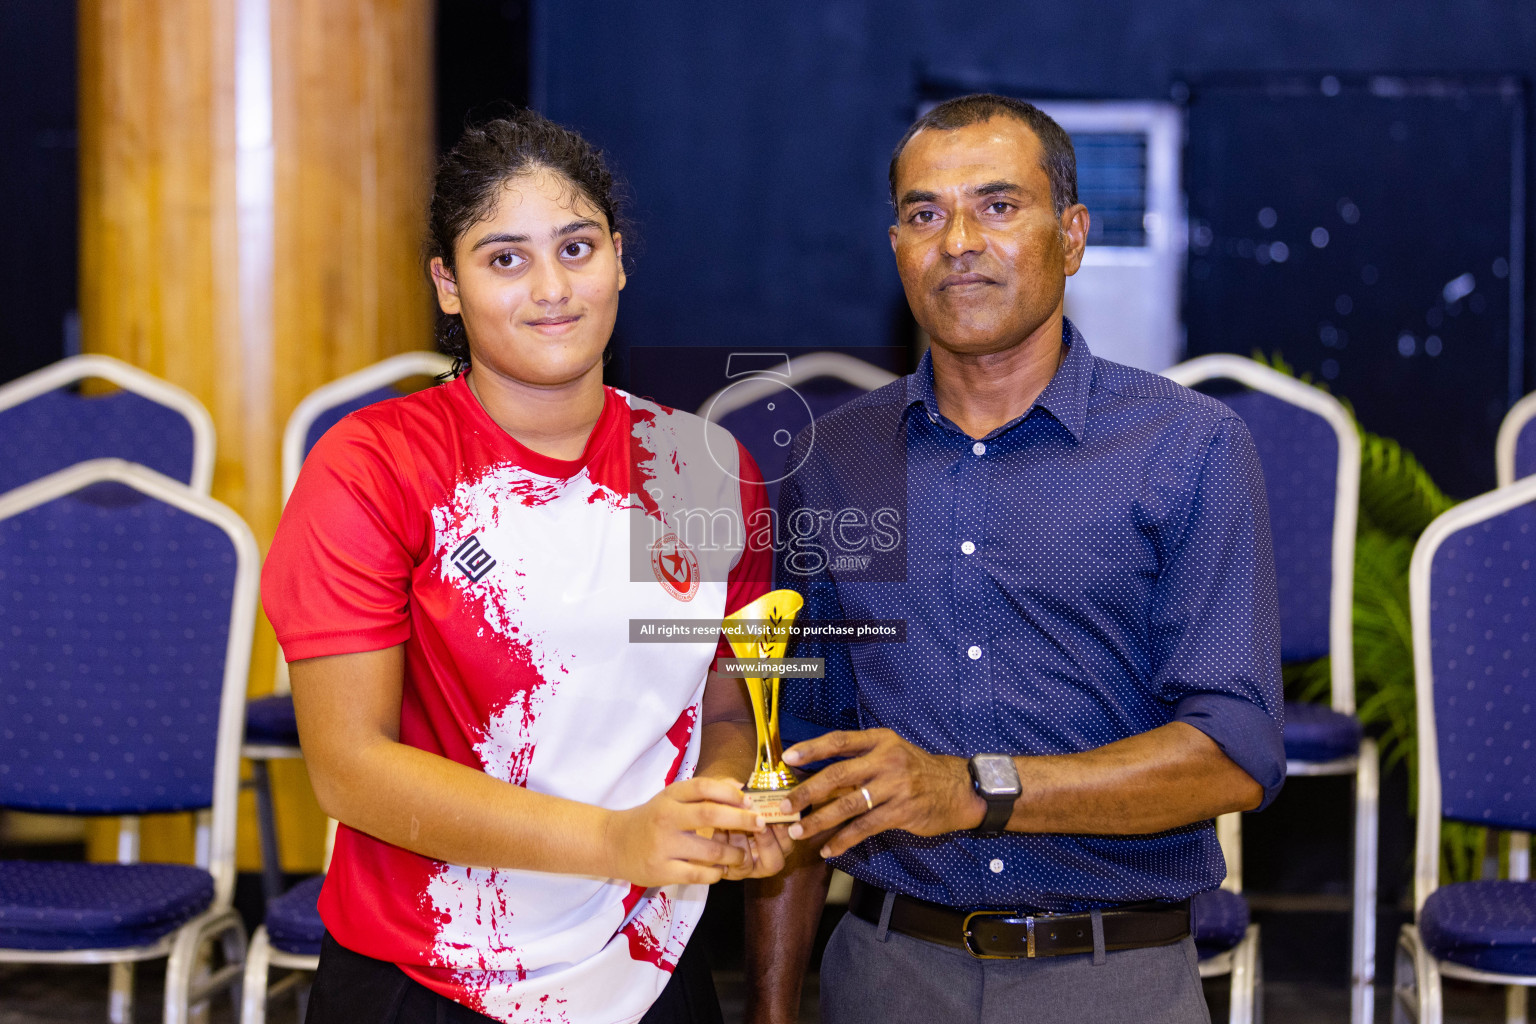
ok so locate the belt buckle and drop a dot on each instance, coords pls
(970, 947)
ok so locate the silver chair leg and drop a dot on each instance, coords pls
(235, 952)
(1363, 939)
(266, 821)
(197, 1009)
(188, 983)
(1405, 987)
(1416, 982)
(1246, 988)
(120, 994)
(253, 1004)
(1258, 979)
(1519, 871)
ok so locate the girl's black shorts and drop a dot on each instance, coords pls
(350, 988)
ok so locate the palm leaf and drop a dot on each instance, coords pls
(1397, 494)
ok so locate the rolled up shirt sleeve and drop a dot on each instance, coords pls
(1215, 621)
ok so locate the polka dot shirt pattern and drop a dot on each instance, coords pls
(1094, 569)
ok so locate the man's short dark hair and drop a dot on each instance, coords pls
(1058, 159)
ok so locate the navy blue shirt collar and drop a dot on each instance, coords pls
(1065, 397)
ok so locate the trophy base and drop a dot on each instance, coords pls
(766, 803)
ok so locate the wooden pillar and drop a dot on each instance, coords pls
(253, 178)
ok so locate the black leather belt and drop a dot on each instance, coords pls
(1010, 934)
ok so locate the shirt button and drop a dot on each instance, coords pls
(996, 865)
(974, 652)
(979, 448)
(968, 548)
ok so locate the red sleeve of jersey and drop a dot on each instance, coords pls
(336, 579)
(753, 575)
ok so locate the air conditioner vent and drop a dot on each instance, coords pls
(1112, 183)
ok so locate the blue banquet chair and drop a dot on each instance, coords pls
(1472, 594)
(1515, 450)
(48, 423)
(271, 731)
(290, 940)
(1310, 452)
(1225, 938)
(765, 407)
(127, 602)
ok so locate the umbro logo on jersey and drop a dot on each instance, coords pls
(471, 559)
(675, 566)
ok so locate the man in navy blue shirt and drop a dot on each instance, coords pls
(1090, 672)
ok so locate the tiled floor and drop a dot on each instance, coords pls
(76, 995)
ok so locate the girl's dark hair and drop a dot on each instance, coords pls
(469, 180)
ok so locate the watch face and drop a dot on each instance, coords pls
(996, 774)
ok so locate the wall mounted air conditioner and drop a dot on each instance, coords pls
(1125, 298)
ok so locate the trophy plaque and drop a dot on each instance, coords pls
(767, 622)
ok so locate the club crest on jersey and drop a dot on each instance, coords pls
(676, 567)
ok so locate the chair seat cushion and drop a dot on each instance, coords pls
(1488, 925)
(293, 919)
(1219, 921)
(1316, 732)
(271, 720)
(50, 905)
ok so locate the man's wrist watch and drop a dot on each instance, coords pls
(995, 779)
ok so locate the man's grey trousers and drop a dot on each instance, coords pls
(868, 978)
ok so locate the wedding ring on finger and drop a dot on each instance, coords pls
(869, 802)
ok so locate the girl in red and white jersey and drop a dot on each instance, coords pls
(523, 792)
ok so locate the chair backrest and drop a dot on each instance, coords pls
(47, 424)
(1515, 450)
(330, 403)
(127, 602)
(1310, 452)
(1472, 592)
(766, 410)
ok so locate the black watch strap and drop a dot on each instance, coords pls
(999, 810)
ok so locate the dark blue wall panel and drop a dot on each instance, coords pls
(752, 137)
(38, 158)
(756, 135)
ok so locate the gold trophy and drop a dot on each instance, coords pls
(770, 781)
